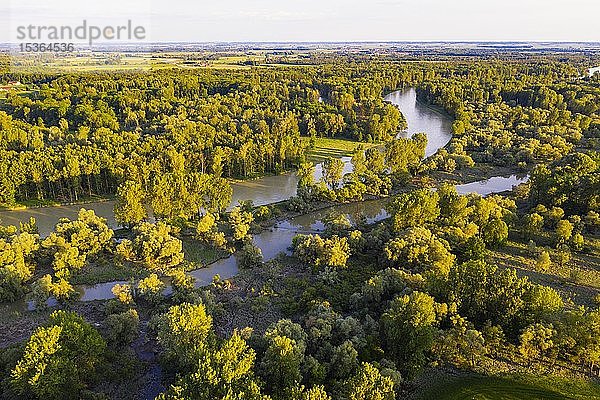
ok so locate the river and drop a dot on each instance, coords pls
(423, 118)
(271, 189)
(265, 190)
(278, 239)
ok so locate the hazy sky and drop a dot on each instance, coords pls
(321, 20)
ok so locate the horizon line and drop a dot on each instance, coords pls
(432, 41)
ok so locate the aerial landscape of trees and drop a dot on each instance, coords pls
(443, 283)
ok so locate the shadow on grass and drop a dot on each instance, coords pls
(496, 388)
(321, 154)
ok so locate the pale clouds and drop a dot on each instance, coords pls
(326, 20)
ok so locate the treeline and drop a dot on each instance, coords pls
(82, 134)
(515, 113)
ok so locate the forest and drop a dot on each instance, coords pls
(438, 292)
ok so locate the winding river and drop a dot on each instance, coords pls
(271, 189)
(268, 189)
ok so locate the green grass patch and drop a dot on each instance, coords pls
(577, 280)
(519, 387)
(199, 253)
(325, 147)
(107, 272)
(36, 203)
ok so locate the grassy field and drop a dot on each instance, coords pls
(200, 254)
(336, 148)
(106, 62)
(196, 254)
(578, 279)
(107, 272)
(147, 60)
(511, 388)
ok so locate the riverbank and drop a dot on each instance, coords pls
(478, 172)
(270, 190)
(322, 149)
(274, 235)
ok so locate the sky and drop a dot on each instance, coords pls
(320, 20)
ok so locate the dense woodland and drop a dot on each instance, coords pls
(497, 285)
(75, 136)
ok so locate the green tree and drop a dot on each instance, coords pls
(314, 393)
(532, 224)
(183, 285)
(30, 375)
(129, 207)
(359, 162)
(46, 286)
(123, 328)
(333, 170)
(239, 222)
(414, 209)
(89, 233)
(483, 292)
(405, 155)
(461, 344)
(59, 360)
(408, 329)
(250, 256)
(319, 252)
(577, 241)
(151, 288)
(495, 233)
(543, 301)
(221, 373)
(543, 262)
(123, 293)
(537, 340)
(369, 384)
(17, 265)
(344, 361)
(420, 250)
(207, 231)
(563, 255)
(454, 208)
(185, 334)
(563, 232)
(67, 261)
(306, 174)
(281, 364)
(155, 246)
